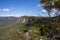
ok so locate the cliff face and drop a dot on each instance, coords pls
(23, 20)
(28, 20)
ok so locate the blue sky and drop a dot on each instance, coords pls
(20, 8)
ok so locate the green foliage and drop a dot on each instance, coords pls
(34, 33)
(55, 5)
(16, 31)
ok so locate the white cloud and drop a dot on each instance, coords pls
(6, 9)
(7, 15)
(44, 11)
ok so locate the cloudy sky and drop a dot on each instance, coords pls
(20, 8)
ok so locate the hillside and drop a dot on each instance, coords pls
(5, 21)
(33, 26)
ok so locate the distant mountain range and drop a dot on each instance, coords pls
(5, 21)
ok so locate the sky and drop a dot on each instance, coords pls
(21, 8)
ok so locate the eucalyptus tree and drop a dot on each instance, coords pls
(50, 5)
